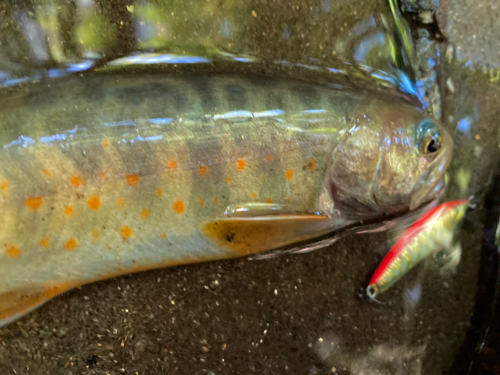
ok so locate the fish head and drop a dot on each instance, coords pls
(393, 159)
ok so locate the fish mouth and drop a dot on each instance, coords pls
(429, 187)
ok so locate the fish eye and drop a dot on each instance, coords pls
(430, 140)
(433, 144)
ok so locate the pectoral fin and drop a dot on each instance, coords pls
(248, 235)
(18, 302)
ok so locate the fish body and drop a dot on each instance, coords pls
(107, 175)
(429, 234)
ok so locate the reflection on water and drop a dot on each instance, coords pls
(211, 317)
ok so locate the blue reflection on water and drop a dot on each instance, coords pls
(52, 138)
(464, 126)
(78, 67)
(273, 112)
(314, 111)
(22, 141)
(157, 59)
(160, 121)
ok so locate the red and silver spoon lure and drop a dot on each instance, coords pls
(428, 235)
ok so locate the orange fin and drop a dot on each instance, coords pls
(16, 303)
(249, 235)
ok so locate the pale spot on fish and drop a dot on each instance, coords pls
(47, 173)
(94, 202)
(201, 202)
(158, 192)
(34, 203)
(216, 201)
(71, 244)
(269, 157)
(106, 143)
(227, 180)
(5, 186)
(95, 235)
(104, 176)
(179, 207)
(120, 203)
(69, 211)
(13, 252)
(162, 235)
(44, 242)
(253, 195)
(202, 170)
(144, 213)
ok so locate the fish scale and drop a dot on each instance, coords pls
(103, 175)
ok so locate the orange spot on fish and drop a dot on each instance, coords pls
(179, 207)
(311, 165)
(106, 143)
(201, 201)
(253, 195)
(241, 164)
(202, 170)
(289, 200)
(34, 203)
(216, 201)
(261, 179)
(69, 211)
(144, 213)
(138, 149)
(133, 179)
(162, 235)
(120, 203)
(289, 174)
(95, 235)
(126, 232)
(227, 180)
(158, 192)
(94, 202)
(71, 244)
(269, 157)
(269, 200)
(44, 242)
(104, 176)
(5, 186)
(47, 173)
(13, 252)
(172, 165)
(76, 180)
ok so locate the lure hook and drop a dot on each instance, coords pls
(371, 293)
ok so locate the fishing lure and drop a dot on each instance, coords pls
(430, 234)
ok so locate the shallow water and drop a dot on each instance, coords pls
(292, 314)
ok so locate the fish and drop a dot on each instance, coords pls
(431, 234)
(107, 174)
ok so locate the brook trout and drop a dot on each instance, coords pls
(106, 175)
